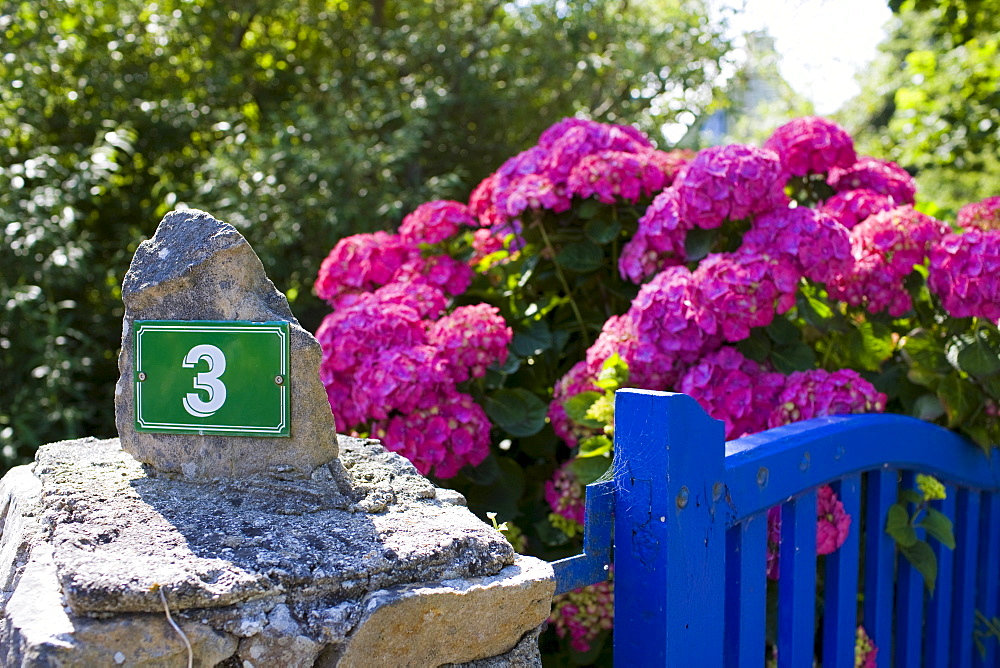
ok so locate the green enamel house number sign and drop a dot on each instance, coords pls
(208, 377)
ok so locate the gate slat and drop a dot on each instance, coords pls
(746, 585)
(989, 570)
(880, 555)
(909, 604)
(964, 594)
(797, 582)
(938, 626)
(840, 605)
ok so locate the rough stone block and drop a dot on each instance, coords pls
(198, 268)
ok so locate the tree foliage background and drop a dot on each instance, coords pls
(298, 121)
(932, 100)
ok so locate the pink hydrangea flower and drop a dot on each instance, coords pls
(853, 206)
(395, 379)
(441, 271)
(469, 339)
(734, 389)
(361, 263)
(817, 246)
(965, 273)
(886, 247)
(865, 651)
(617, 175)
(730, 183)
(665, 318)
(565, 495)
(985, 214)
(833, 525)
(738, 291)
(433, 222)
(619, 336)
(812, 145)
(440, 438)
(577, 380)
(584, 613)
(484, 242)
(882, 176)
(818, 392)
(482, 202)
(659, 241)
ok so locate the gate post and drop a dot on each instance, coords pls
(669, 547)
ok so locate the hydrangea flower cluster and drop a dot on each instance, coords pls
(580, 378)
(985, 214)
(659, 241)
(812, 145)
(364, 262)
(815, 244)
(815, 393)
(865, 651)
(853, 206)
(565, 496)
(434, 222)
(731, 388)
(880, 176)
(392, 369)
(573, 158)
(730, 183)
(886, 247)
(583, 614)
(965, 273)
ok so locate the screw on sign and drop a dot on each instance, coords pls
(210, 377)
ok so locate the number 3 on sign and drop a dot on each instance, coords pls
(208, 381)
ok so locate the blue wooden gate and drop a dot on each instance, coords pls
(690, 540)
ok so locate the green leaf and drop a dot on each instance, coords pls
(596, 446)
(614, 373)
(976, 353)
(698, 243)
(794, 358)
(533, 341)
(589, 208)
(581, 257)
(815, 311)
(516, 411)
(578, 405)
(602, 231)
(921, 557)
(756, 348)
(897, 525)
(867, 348)
(589, 469)
(928, 407)
(925, 353)
(959, 398)
(783, 332)
(909, 496)
(939, 526)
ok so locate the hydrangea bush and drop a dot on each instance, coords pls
(772, 284)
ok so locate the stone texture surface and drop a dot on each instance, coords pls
(198, 268)
(405, 625)
(261, 573)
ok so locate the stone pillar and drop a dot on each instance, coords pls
(247, 551)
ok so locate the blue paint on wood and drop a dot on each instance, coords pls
(797, 582)
(966, 561)
(880, 560)
(594, 564)
(988, 591)
(937, 629)
(669, 548)
(840, 601)
(746, 592)
(690, 536)
(909, 604)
